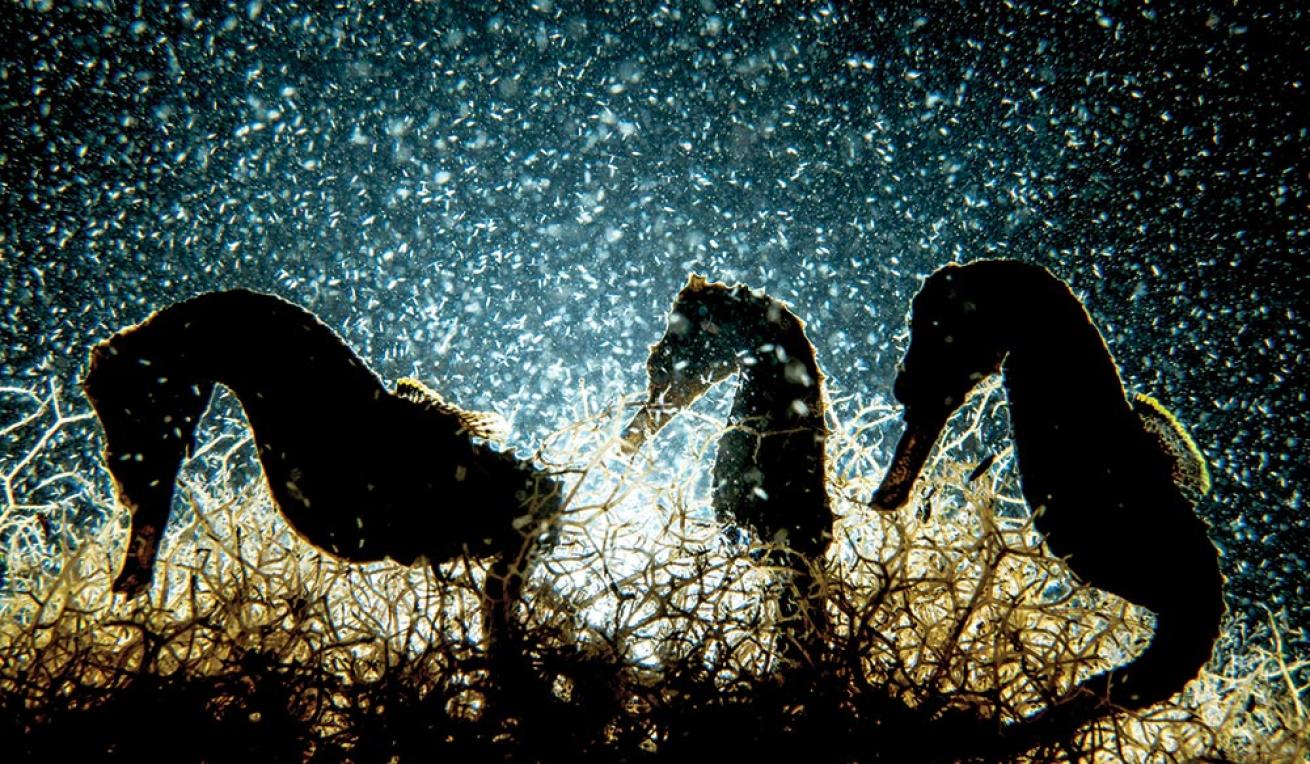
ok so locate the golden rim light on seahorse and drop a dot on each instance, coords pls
(1111, 482)
(769, 475)
(359, 471)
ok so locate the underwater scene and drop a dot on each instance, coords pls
(635, 381)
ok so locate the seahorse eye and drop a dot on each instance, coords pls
(678, 324)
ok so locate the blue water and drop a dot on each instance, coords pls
(502, 201)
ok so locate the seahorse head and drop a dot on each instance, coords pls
(709, 325)
(955, 342)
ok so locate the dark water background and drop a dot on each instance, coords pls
(502, 201)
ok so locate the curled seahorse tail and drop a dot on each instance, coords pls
(1184, 639)
(1185, 635)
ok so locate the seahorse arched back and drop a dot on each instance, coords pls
(360, 471)
(1101, 487)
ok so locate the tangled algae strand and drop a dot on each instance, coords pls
(645, 637)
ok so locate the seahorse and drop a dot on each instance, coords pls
(1111, 481)
(360, 471)
(769, 474)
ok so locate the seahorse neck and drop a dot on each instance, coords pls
(1056, 363)
(781, 386)
(275, 354)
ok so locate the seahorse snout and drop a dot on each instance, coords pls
(911, 454)
(649, 419)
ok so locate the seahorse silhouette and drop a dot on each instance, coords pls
(1102, 474)
(769, 475)
(362, 472)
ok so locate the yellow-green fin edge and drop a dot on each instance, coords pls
(1192, 471)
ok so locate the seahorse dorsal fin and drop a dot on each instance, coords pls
(483, 424)
(1190, 470)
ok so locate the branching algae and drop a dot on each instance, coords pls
(947, 633)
